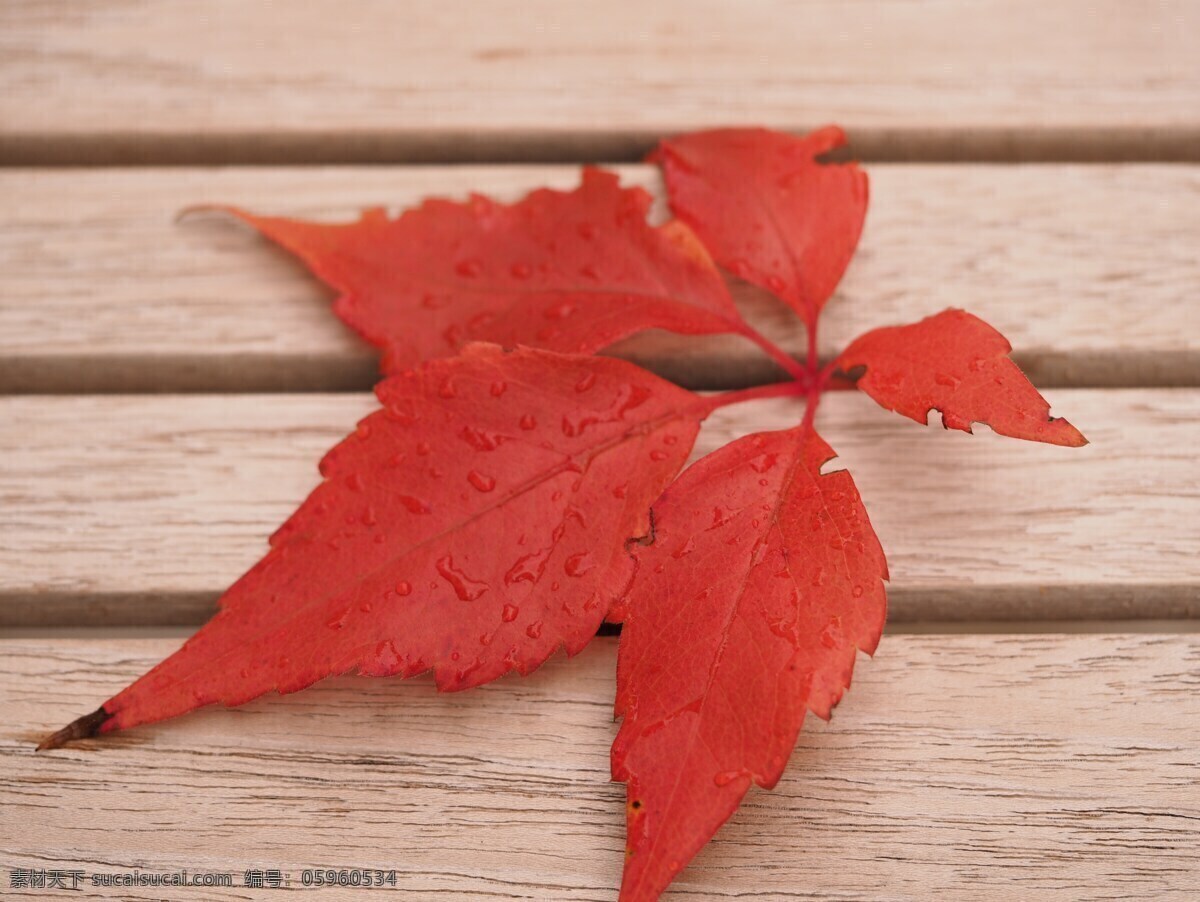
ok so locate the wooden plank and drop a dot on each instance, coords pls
(996, 767)
(141, 510)
(1090, 271)
(371, 80)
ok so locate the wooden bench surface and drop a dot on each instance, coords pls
(183, 490)
(229, 80)
(956, 767)
(166, 389)
(1089, 270)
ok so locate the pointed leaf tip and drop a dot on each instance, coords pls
(957, 364)
(81, 728)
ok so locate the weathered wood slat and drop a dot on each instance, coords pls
(957, 766)
(1090, 271)
(141, 510)
(372, 80)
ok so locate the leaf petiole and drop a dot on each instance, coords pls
(792, 389)
(790, 365)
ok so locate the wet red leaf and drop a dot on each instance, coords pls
(767, 210)
(955, 363)
(472, 526)
(482, 518)
(763, 580)
(569, 271)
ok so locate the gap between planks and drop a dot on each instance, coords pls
(956, 766)
(178, 634)
(140, 510)
(373, 80)
(101, 292)
(516, 146)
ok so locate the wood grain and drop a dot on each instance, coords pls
(1089, 270)
(141, 510)
(994, 767)
(371, 80)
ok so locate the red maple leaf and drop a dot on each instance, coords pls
(483, 518)
(955, 363)
(765, 576)
(763, 579)
(568, 271)
(790, 225)
(472, 526)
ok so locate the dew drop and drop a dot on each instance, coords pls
(355, 482)
(509, 613)
(528, 422)
(469, 268)
(365, 607)
(464, 587)
(521, 270)
(685, 549)
(764, 463)
(578, 564)
(620, 490)
(480, 440)
(585, 383)
(403, 588)
(831, 635)
(727, 777)
(363, 430)
(658, 454)
(369, 518)
(423, 448)
(413, 505)
(559, 311)
(776, 284)
(447, 389)
(498, 388)
(857, 592)
(946, 379)
(534, 630)
(482, 482)
(575, 424)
